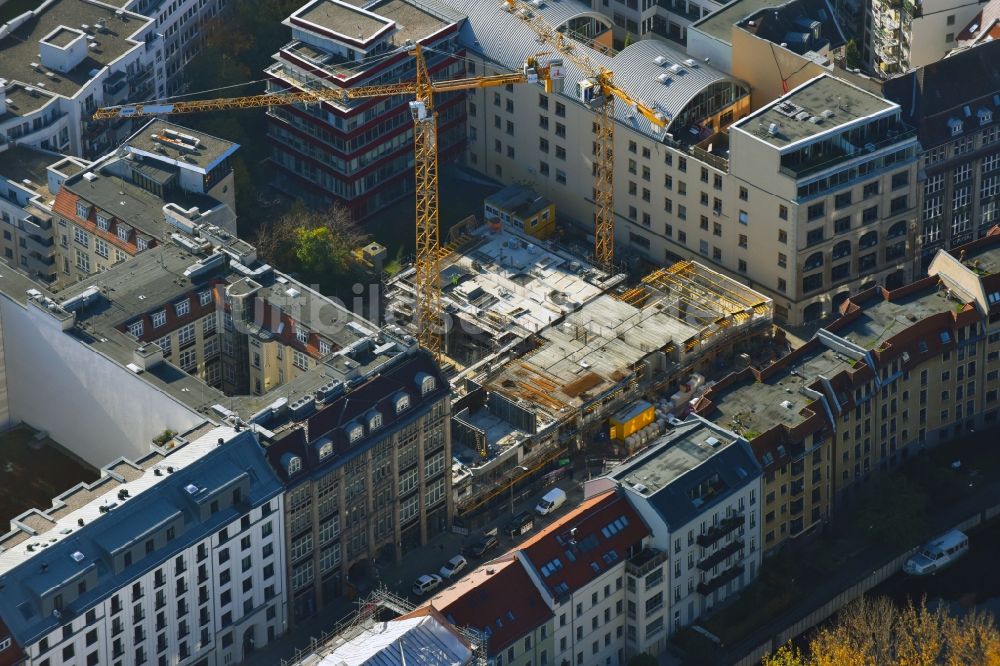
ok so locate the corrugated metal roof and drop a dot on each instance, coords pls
(507, 40)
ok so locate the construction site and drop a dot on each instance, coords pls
(543, 347)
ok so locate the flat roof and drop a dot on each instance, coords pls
(684, 459)
(20, 163)
(164, 140)
(719, 24)
(751, 407)
(343, 19)
(519, 200)
(62, 36)
(412, 22)
(826, 102)
(20, 48)
(127, 202)
(36, 470)
(21, 102)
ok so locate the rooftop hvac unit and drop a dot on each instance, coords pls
(664, 78)
(772, 129)
(660, 60)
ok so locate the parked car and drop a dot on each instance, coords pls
(483, 546)
(453, 567)
(551, 501)
(426, 584)
(520, 524)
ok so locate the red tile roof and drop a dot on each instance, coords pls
(606, 528)
(498, 597)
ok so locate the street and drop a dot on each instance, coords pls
(398, 577)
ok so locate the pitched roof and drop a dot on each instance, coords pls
(968, 78)
(378, 393)
(412, 639)
(585, 543)
(498, 599)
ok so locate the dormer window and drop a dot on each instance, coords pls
(205, 298)
(326, 450)
(122, 232)
(374, 420)
(301, 334)
(426, 382)
(159, 318)
(141, 243)
(82, 209)
(135, 329)
(182, 307)
(294, 465)
(324, 347)
(985, 116)
(955, 125)
(103, 222)
(402, 403)
(354, 432)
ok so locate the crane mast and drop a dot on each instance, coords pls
(427, 288)
(602, 96)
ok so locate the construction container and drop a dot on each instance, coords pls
(630, 420)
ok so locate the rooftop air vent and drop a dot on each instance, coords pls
(772, 129)
(787, 404)
(713, 442)
(826, 113)
(191, 489)
(660, 60)
(77, 556)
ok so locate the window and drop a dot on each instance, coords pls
(815, 211)
(82, 209)
(543, 144)
(782, 260)
(182, 308)
(185, 335)
(842, 225)
(901, 179)
(159, 318)
(560, 109)
(870, 190)
(782, 236)
(842, 200)
(135, 329)
(301, 333)
(101, 247)
(744, 218)
(783, 212)
(81, 236)
(744, 194)
(300, 360)
(122, 231)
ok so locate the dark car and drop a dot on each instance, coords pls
(520, 524)
(483, 546)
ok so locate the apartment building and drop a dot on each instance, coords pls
(955, 106)
(182, 25)
(901, 34)
(173, 558)
(771, 46)
(698, 489)
(65, 59)
(982, 28)
(163, 179)
(790, 435)
(499, 600)
(833, 412)
(360, 153)
(368, 478)
(26, 209)
(826, 177)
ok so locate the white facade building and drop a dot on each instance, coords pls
(173, 559)
(697, 489)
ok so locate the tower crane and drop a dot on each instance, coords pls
(599, 92)
(427, 287)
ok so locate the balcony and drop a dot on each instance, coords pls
(724, 578)
(721, 555)
(836, 155)
(716, 532)
(644, 561)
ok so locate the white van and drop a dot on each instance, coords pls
(937, 554)
(550, 502)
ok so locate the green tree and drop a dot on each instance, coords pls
(628, 40)
(892, 511)
(852, 54)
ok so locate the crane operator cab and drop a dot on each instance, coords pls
(589, 92)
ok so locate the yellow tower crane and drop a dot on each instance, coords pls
(599, 92)
(427, 308)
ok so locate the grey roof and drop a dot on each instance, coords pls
(211, 150)
(20, 102)
(409, 640)
(818, 97)
(517, 199)
(775, 24)
(18, 163)
(719, 24)
(20, 48)
(413, 21)
(161, 497)
(682, 459)
(508, 40)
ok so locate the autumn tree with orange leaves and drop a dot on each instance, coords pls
(877, 632)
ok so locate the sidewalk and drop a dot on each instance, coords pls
(866, 562)
(399, 576)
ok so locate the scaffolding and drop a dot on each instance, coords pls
(379, 606)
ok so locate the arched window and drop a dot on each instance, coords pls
(814, 261)
(841, 250)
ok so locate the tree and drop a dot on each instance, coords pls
(877, 632)
(643, 659)
(893, 511)
(628, 40)
(316, 243)
(852, 54)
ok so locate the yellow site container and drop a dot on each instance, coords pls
(631, 419)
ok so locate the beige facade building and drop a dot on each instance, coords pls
(900, 370)
(806, 216)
